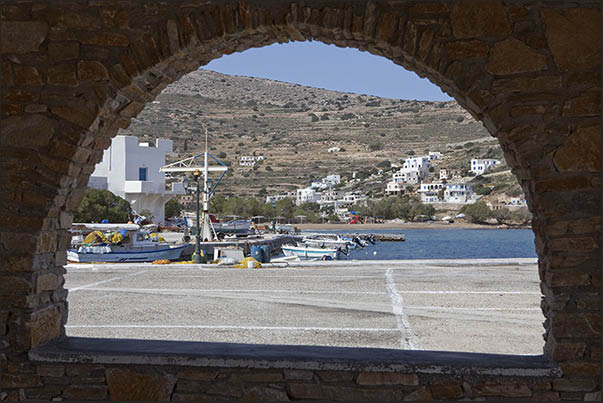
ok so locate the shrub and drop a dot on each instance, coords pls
(477, 212)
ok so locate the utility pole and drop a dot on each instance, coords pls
(197, 254)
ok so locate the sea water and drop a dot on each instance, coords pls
(453, 243)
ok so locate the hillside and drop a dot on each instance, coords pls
(293, 126)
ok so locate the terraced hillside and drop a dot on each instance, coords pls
(293, 126)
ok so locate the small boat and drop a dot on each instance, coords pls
(124, 243)
(308, 252)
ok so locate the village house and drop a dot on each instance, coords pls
(453, 193)
(307, 195)
(130, 170)
(481, 166)
(250, 160)
(282, 196)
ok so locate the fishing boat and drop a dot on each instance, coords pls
(308, 252)
(320, 242)
(116, 243)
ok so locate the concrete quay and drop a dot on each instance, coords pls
(471, 305)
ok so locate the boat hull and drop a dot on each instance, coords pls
(310, 253)
(126, 256)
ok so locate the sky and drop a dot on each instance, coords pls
(316, 64)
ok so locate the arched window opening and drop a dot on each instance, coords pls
(323, 161)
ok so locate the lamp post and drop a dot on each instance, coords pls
(197, 254)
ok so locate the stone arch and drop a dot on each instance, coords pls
(529, 72)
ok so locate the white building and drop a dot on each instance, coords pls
(275, 198)
(131, 170)
(453, 192)
(479, 166)
(332, 179)
(394, 188)
(449, 174)
(420, 164)
(250, 160)
(307, 195)
(334, 149)
(435, 155)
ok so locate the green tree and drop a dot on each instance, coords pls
(477, 212)
(502, 215)
(98, 205)
(172, 208)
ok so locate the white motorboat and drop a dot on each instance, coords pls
(308, 252)
(124, 243)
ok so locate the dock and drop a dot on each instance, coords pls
(378, 237)
(275, 241)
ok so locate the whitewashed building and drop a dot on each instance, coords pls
(453, 193)
(131, 170)
(282, 196)
(334, 149)
(307, 195)
(250, 160)
(420, 164)
(435, 155)
(395, 188)
(481, 166)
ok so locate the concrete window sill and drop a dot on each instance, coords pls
(86, 350)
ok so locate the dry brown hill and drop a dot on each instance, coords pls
(293, 126)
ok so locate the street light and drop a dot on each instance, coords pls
(197, 254)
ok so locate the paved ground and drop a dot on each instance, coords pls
(486, 306)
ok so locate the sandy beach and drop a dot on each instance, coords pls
(409, 225)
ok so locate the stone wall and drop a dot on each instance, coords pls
(73, 73)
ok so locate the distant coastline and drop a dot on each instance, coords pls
(409, 225)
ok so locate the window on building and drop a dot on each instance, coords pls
(142, 174)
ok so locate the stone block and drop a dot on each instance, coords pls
(299, 374)
(562, 184)
(32, 131)
(63, 51)
(588, 104)
(421, 394)
(545, 395)
(47, 282)
(574, 385)
(328, 392)
(84, 370)
(63, 74)
(77, 115)
(567, 351)
(386, 378)
(575, 244)
(473, 49)
(22, 36)
(107, 39)
(91, 70)
(264, 393)
(114, 18)
(581, 369)
(19, 381)
(511, 56)
(472, 19)
(593, 397)
(45, 325)
(264, 377)
(446, 389)
(126, 384)
(574, 37)
(200, 375)
(27, 75)
(85, 392)
(11, 285)
(52, 370)
(526, 84)
(511, 389)
(574, 325)
(566, 278)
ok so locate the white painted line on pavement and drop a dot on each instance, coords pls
(226, 327)
(408, 340)
(458, 308)
(88, 286)
(193, 290)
